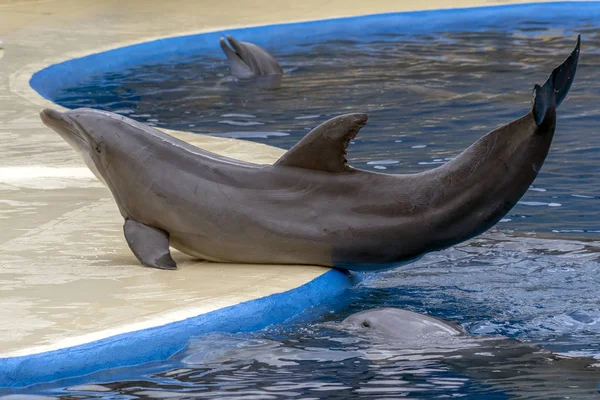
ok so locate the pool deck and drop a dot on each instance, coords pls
(67, 276)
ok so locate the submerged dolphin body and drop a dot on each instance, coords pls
(248, 60)
(310, 207)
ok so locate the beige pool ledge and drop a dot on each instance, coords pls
(66, 274)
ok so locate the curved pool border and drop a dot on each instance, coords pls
(160, 342)
(50, 80)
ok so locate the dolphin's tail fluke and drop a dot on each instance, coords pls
(554, 91)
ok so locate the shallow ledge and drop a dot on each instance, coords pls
(161, 342)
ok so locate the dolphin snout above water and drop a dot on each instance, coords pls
(248, 60)
(310, 207)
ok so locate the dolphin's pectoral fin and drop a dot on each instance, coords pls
(149, 245)
(555, 89)
(324, 148)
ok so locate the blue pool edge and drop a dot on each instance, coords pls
(161, 342)
(49, 81)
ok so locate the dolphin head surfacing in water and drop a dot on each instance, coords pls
(310, 207)
(394, 335)
(248, 60)
(399, 323)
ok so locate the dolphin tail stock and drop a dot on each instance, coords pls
(555, 89)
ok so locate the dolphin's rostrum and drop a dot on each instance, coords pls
(310, 207)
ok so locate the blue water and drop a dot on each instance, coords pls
(535, 277)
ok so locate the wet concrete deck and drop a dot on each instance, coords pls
(66, 274)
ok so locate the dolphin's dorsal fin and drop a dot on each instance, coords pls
(324, 148)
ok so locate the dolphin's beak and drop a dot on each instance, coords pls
(230, 52)
(56, 120)
(52, 118)
(61, 124)
(235, 45)
(237, 56)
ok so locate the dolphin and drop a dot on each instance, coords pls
(310, 207)
(394, 334)
(400, 324)
(248, 60)
(408, 346)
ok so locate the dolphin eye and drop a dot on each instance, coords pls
(98, 147)
(366, 324)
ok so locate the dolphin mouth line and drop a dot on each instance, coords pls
(231, 46)
(61, 123)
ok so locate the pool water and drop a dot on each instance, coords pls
(535, 277)
(540, 291)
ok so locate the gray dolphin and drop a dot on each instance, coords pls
(247, 59)
(400, 324)
(499, 361)
(399, 344)
(310, 207)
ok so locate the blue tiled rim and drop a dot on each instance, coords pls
(51, 80)
(161, 342)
